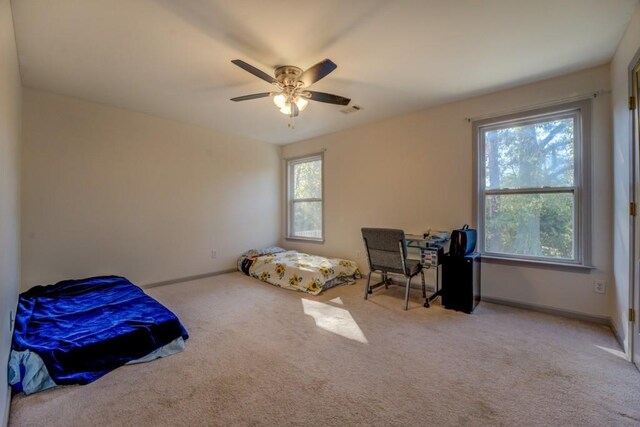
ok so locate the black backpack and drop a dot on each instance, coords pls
(463, 241)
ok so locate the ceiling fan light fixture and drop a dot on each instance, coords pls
(284, 105)
(301, 103)
(280, 101)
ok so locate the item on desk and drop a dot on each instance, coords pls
(429, 257)
(443, 235)
(463, 241)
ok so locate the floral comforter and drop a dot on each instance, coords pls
(300, 271)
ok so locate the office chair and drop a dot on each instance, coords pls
(387, 254)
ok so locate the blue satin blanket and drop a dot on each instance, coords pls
(83, 329)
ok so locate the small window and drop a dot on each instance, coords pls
(532, 185)
(305, 204)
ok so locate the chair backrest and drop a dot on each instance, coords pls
(386, 249)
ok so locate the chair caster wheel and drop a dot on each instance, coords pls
(370, 291)
(426, 305)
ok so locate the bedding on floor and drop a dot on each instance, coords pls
(76, 331)
(297, 270)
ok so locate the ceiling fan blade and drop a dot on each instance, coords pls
(318, 71)
(253, 96)
(253, 70)
(328, 98)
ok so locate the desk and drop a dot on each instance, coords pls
(431, 255)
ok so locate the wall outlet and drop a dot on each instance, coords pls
(214, 254)
(600, 286)
(358, 254)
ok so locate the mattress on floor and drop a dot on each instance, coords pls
(76, 331)
(296, 270)
(28, 370)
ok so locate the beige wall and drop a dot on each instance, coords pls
(10, 99)
(415, 171)
(110, 191)
(627, 48)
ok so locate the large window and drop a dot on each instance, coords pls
(532, 185)
(305, 206)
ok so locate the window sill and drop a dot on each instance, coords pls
(304, 240)
(536, 263)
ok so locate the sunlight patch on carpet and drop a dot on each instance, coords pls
(613, 351)
(334, 319)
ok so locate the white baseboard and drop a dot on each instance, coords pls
(620, 339)
(188, 278)
(602, 320)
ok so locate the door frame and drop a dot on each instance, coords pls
(634, 239)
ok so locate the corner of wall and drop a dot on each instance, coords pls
(615, 329)
(10, 149)
(620, 227)
(4, 421)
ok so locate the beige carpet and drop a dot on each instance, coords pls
(255, 358)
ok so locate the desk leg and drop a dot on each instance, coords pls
(424, 292)
(436, 294)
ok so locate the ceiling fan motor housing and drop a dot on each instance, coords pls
(288, 75)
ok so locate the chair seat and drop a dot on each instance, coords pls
(414, 267)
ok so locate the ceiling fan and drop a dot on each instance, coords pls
(292, 95)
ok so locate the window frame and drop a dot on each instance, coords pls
(581, 188)
(290, 164)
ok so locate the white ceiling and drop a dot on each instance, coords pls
(172, 58)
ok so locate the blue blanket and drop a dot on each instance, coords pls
(83, 329)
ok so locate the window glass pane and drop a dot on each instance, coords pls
(530, 155)
(307, 180)
(538, 225)
(307, 219)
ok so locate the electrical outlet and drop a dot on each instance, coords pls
(359, 254)
(214, 254)
(600, 286)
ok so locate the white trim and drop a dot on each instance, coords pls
(543, 262)
(543, 190)
(602, 320)
(188, 278)
(634, 274)
(290, 201)
(580, 111)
